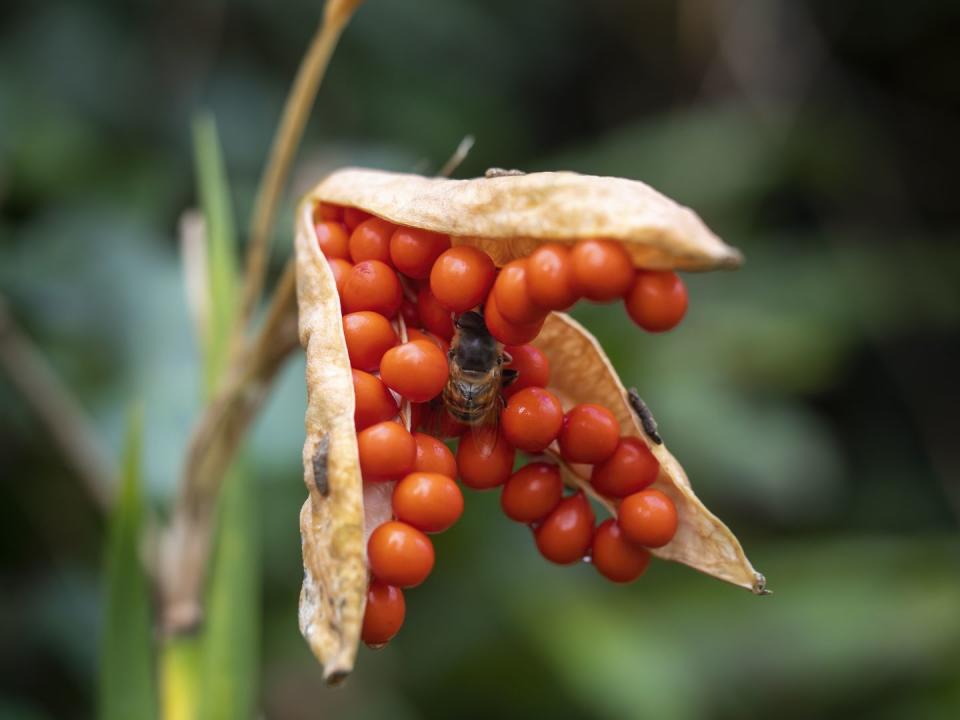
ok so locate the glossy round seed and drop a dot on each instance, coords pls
(384, 613)
(590, 434)
(368, 336)
(648, 518)
(399, 554)
(417, 370)
(602, 269)
(615, 556)
(532, 492)
(657, 301)
(372, 285)
(532, 419)
(325, 211)
(513, 300)
(434, 316)
(505, 331)
(387, 452)
(433, 456)
(413, 251)
(566, 533)
(532, 366)
(373, 402)
(550, 277)
(340, 269)
(333, 240)
(462, 277)
(484, 462)
(370, 240)
(353, 217)
(630, 469)
(430, 502)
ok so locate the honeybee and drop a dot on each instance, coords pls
(472, 394)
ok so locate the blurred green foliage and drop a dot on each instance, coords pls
(811, 395)
(127, 676)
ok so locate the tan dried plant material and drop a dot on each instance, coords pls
(331, 520)
(507, 215)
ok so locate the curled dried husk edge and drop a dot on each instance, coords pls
(509, 216)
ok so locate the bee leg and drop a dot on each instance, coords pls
(508, 377)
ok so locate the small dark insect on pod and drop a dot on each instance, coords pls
(646, 417)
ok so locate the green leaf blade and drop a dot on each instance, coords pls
(221, 247)
(230, 664)
(127, 675)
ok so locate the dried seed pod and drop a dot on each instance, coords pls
(507, 216)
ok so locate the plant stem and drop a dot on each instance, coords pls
(57, 408)
(285, 144)
(213, 443)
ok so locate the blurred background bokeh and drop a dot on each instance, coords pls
(812, 395)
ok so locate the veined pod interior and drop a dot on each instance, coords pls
(507, 217)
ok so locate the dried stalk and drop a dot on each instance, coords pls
(213, 444)
(56, 407)
(285, 144)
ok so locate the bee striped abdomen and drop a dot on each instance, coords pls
(463, 403)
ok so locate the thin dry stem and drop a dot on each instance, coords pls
(285, 144)
(57, 408)
(575, 479)
(213, 444)
(459, 155)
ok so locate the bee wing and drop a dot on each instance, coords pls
(486, 432)
(432, 418)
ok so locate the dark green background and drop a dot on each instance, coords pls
(812, 396)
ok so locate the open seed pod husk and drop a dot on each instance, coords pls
(507, 217)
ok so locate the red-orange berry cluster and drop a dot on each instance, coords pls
(555, 276)
(401, 290)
